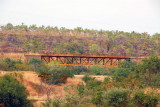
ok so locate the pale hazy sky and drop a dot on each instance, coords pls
(126, 15)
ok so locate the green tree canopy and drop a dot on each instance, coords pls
(12, 93)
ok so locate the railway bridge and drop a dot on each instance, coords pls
(84, 59)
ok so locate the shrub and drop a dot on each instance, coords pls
(107, 80)
(35, 63)
(98, 70)
(42, 68)
(22, 67)
(71, 100)
(117, 97)
(54, 73)
(148, 70)
(93, 84)
(12, 94)
(56, 103)
(97, 99)
(50, 103)
(156, 80)
(128, 64)
(149, 99)
(87, 78)
(80, 88)
(13, 65)
(120, 73)
(78, 70)
(3, 65)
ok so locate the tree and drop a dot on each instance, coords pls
(54, 73)
(12, 93)
(125, 68)
(10, 63)
(98, 70)
(9, 26)
(117, 97)
(145, 99)
(152, 65)
(149, 68)
(35, 63)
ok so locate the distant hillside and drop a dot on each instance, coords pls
(48, 39)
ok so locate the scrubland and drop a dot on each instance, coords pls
(51, 85)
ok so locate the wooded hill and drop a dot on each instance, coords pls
(24, 39)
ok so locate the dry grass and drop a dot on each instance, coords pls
(16, 56)
(97, 77)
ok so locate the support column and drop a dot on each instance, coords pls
(96, 61)
(80, 60)
(103, 61)
(58, 59)
(72, 60)
(42, 58)
(88, 61)
(65, 60)
(111, 61)
(49, 59)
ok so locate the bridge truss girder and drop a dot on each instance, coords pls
(83, 61)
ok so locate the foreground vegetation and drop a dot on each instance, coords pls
(128, 85)
(12, 93)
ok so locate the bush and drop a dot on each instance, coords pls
(55, 73)
(107, 80)
(126, 67)
(149, 99)
(94, 84)
(3, 65)
(97, 99)
(72, 100)
(79, 69)
(35, 63)
(87, 78)
(149, 71)
(156, 80)
(120, 73)
(128, 64)
(50, 103)
(98, 70)
(13, 65)
(22, 67)
(80, 88)
(12, 94)
(117, 97)
(42, 68)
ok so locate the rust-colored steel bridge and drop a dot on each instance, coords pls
(84, 60)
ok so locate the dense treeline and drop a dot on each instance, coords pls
(23, 38)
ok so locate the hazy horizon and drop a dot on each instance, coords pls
(122, 15)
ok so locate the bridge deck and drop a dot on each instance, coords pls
(86, 56)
